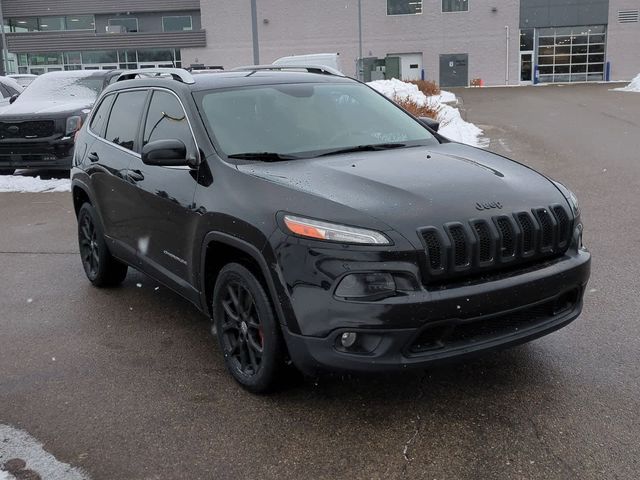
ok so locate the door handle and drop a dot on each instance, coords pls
(93, 156)
(135, 175)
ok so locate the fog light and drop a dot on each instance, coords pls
(348, 339)
(367, 286)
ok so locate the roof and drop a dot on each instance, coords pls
(229, 79)
(262, 77)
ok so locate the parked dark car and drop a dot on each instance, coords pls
(315, 221)
(37, 130)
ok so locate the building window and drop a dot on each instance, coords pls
(49, 58)
(455, 5)
(39, 63)
(526, 40)
(177, 24)
(130, 24)
(80, 22)
(49, 24)
(100, 56)
(19, 25)
(404, 7)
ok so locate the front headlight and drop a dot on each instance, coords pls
(73, 124)
(319, 230)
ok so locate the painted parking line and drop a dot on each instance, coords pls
(22, 456)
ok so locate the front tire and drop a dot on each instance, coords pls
(247, 329)
(101, 268)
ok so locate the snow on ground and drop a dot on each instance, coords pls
(18, 444)
(17, 183)
(634, 86)
(452, 124)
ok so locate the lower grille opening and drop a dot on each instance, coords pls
(457, 333)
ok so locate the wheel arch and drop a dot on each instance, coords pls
(81, 194)
(231, 249)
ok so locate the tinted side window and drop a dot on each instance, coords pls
(4, 91)
(125, 118)
(166, 120)
(99, 118)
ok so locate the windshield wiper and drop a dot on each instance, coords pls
(365, 148)
(264, 156)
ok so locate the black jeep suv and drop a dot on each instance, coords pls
(37, 130)
(314, 220)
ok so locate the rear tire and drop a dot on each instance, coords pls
(101, 268)
(7, 171)
(247, 330)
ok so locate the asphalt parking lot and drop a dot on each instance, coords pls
(127, 383)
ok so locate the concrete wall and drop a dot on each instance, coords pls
(623, 42)
(311, 26)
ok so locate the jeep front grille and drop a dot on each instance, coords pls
(460, 249)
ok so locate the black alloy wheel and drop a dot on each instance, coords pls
(101, 268)
(240, 328)
(89, 247)
(248, 332)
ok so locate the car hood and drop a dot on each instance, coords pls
(415, 187)
(24, 107)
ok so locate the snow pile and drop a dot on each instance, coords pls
(634, 86)
(16, 183)
(19, 444)
(395, 88)
(452, 125)
(455, 128)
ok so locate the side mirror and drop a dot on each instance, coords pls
(165, 153)
(14, 97)
(430, 123)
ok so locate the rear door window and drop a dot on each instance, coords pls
(167, 120)
(99, 119)
(124, 120)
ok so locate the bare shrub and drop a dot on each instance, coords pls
(416, 109)
(427, 87)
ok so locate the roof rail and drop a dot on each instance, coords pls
(178, 74)
(309, 68)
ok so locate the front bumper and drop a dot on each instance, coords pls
(424, 327)
(49, 154)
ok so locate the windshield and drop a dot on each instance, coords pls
(64, 86)
(306, 120)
